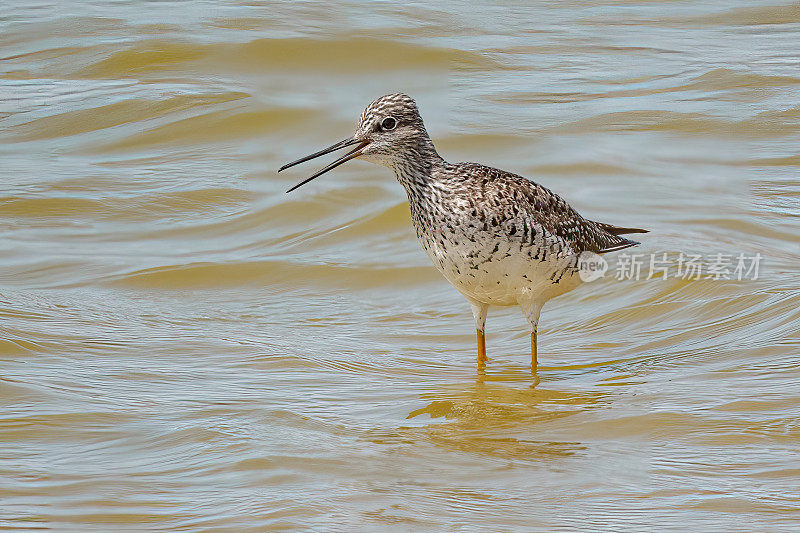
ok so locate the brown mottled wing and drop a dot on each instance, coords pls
(546, 209)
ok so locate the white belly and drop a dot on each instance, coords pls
(503, 273)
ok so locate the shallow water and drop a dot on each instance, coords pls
(185, 347)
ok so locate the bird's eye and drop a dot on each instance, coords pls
(388, 123)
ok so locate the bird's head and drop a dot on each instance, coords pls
(390, 128)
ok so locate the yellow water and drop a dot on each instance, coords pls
(186, 347)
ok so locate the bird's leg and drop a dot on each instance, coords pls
(479, 311)
(481, 348)
(531, 311)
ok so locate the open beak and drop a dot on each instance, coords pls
(355, 152)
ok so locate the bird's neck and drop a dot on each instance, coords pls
(414, 166)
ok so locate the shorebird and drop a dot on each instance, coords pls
(498, 238)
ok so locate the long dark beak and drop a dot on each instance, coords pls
(338, 146)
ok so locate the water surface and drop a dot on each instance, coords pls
(185, 347)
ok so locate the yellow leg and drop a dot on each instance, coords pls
(534, 362)
(481, 349)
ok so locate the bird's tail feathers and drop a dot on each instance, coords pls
(618, 230)
(620, 245)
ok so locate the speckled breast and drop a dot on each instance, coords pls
(495, 269)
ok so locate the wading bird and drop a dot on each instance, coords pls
(497, 237)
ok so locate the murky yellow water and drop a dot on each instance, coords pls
(185, 347)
